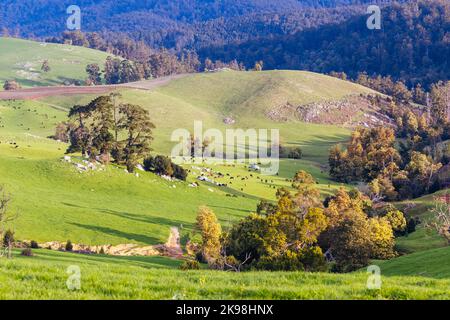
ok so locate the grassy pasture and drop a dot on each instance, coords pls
(21, 60)
(44, 276)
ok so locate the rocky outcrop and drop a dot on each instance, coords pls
(351, 111)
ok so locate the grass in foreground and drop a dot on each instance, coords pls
(44, 276)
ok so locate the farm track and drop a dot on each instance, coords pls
(42, 92)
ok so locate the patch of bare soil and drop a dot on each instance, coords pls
(42, 92)
(350, 112)
(172, 248)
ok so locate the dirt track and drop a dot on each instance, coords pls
(42, 92)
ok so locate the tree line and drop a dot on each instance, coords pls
(135, 60)
(404, 162)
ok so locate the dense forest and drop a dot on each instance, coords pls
(317, 35)
(178, 23)
(412, 45)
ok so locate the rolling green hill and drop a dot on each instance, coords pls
(245, 97)
(21, 60)
(56, 202)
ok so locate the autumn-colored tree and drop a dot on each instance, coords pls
(350, 246)
(352, 237)
(440, 102)
(343, 203)
(397, 220)
(258, 66)
(211, 232)
(440, 220)
(256, 236)
(301, 178)
(369, 152)
(381, 237)
(382, 188)
(421, 171)
(45, 66)
(94, 73)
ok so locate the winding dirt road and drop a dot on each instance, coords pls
(42, 92)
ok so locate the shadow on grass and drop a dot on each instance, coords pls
(120, 234)
(150, 262)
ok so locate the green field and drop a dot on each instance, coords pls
(21, 60)
(245, 97)
(55, 202)
(44, 276)
(424, 238)
(431, 263)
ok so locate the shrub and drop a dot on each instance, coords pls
(290, 152)
(11, 85)
(190, 265)
(27, 252)
(69, 246)
(411, 226)
(8, 238)
(164, 166)
(295, 153)
(287, 261)
(34, 245)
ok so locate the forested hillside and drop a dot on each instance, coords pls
(413, 45)
(176, 24)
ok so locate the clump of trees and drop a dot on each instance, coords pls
(396, 89)
(290, 152)
(123, 71)
(300, 232)
(94, 74)
(402, 163)
(11, 85)
(353, 237)
(372, 156)
(162, 165)
(106, 128)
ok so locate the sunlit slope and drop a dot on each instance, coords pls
(429, 263)
(246, 98)
(55, 202)
(21, 60)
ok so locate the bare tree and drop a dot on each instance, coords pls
(441, 218)
(237, 267)
(5, 218)
(233, 264)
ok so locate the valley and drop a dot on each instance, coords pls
(96, 204)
